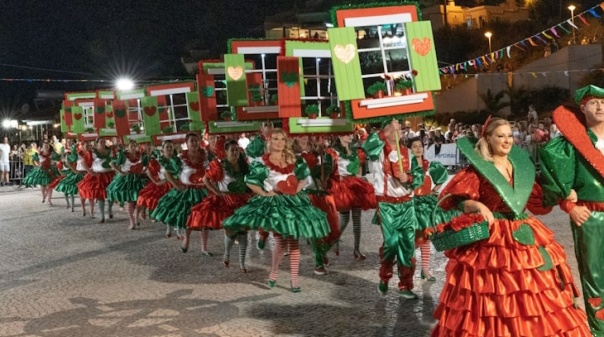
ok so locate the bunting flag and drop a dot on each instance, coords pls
(570, 23)
(543, 37)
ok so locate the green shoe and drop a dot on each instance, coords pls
(407, 294)
(261, 244)
(272, 283)
(382, 288)
(296, 289)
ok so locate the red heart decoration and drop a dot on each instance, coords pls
(311, 160)
(194, 106)
(422, 47)
(77, 116)
(196, 178)
(150, 110)
(109, 114)
(288, 186)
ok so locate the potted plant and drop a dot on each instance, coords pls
(185, 127)
(168, 130)
(333, 111)
(89, 130)
(312, 111)
(274, 99)
(256, 94)
(227, 115)
(377, 89)
(136, 128)
(404, 86)
(111, 125)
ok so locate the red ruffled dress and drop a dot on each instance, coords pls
(349, 190)
(94, 186)
(210, 213)
(513, 284)
(149, 196)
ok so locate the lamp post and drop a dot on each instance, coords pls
(572, 16)
(488, 35)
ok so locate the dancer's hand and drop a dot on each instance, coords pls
(572, 196)
(579, 214)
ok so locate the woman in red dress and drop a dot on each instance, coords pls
(98, 177)
(149, 196)
(516, 282)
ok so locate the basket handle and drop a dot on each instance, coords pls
(432, 220)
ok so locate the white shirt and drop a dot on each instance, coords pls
(4, 153)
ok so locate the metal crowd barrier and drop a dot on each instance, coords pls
(17, 173)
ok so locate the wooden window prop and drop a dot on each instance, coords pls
(395, 78)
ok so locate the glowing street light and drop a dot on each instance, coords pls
(10, 124)
(124, 84)
(488, 35)
(572, 16)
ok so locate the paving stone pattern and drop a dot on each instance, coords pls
(62, 275)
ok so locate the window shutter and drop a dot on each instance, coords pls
(78, 119)
(346, 65)
(288, 86)
(207, 97)
(122, 127)
(193, 108)
(234, 68)
(99, 113)
(151, 115)
(422, 55)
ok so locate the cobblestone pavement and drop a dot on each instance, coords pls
(62, 274)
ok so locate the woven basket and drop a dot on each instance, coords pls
(450, 239)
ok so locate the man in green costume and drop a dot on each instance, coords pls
(573, 171)
(395, 212)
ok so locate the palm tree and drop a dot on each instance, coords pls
(493, 102)
(519, 100)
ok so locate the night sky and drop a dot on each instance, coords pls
(88, 39)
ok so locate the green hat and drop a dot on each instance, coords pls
(387, 121)
(589, 91)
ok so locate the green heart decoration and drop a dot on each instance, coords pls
(547, 260)
(207, 91)
(120, 113)
(290, 79)
(100, 110)
(237, 187)
(524, 234)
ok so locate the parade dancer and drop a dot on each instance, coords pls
(395, 212)
(98, 177)
(573, 166)
(517, 281)
(68, 185)
(186, 177)
(320, 164)
(62, 170)
(127, 182)
(279, 206)
(428, 177)
(43, 172)
(225, 180)
(158, 186)
(354, 194)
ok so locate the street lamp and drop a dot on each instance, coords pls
(124, 84)
(488, 35)
(572, 16)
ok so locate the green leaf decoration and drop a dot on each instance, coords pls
(290, 79)
(168, 129)
(207, 91)
(120, 113)
(353, 167)
(228, 114)
(547, 260)
(524, 234)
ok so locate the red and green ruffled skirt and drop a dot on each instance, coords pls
(352, 192)
(175, 206)
(287, 215)
(210, 213)
(69, 184)
(516, 283)
(94, 186)
(149, 196)
(125, 188)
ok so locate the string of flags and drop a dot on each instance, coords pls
(534, 74)
(541, 38)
